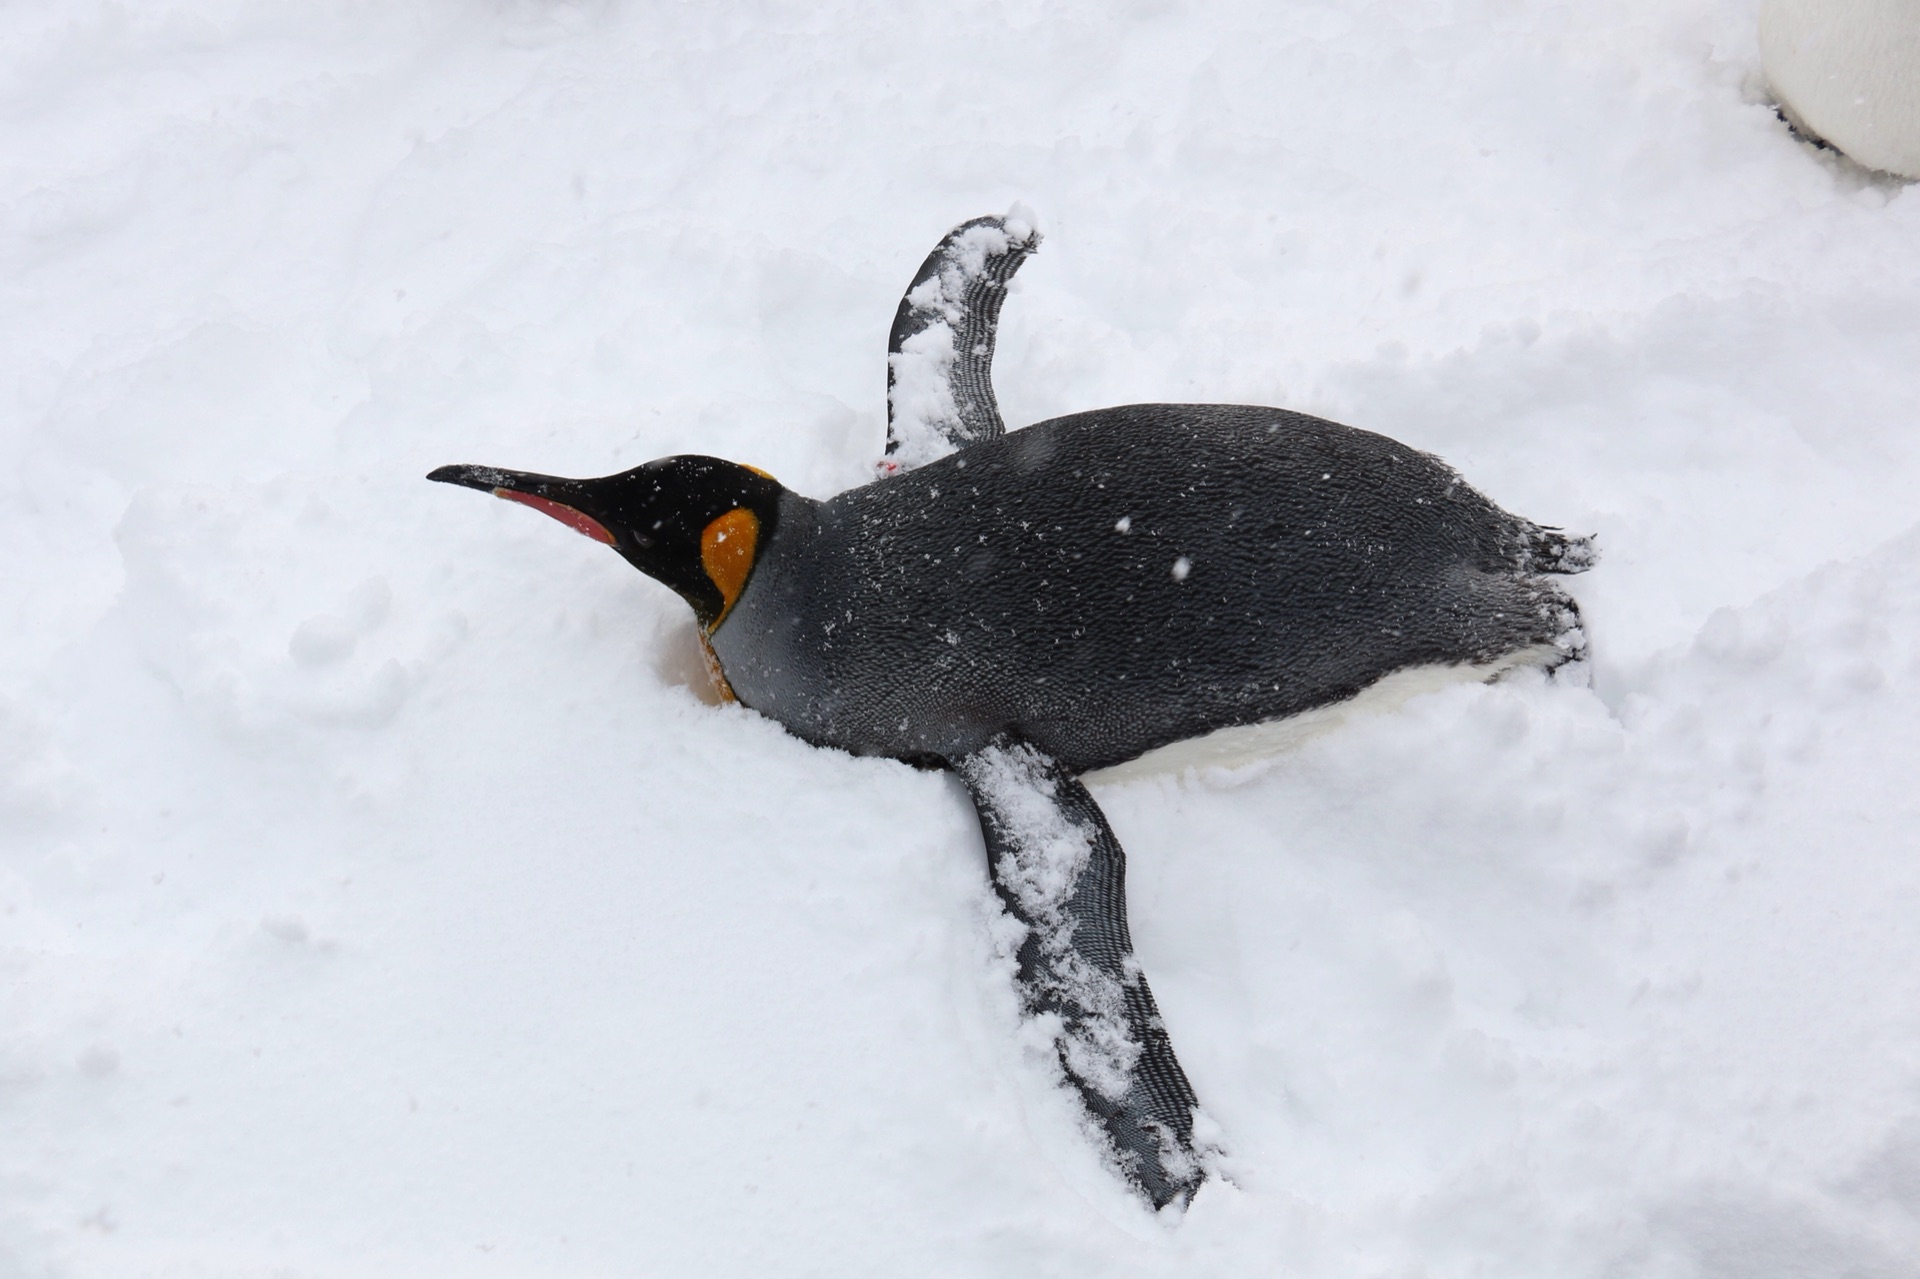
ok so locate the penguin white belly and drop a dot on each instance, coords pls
(1240, 744)
(1848, 71)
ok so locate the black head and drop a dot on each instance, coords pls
(695, 523)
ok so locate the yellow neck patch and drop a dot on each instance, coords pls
(727, 548)
(714, 673)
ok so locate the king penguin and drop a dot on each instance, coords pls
(1021, 608)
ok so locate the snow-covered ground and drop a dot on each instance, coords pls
(381, 892)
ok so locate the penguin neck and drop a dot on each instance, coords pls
(783, 566)
(734, 551)
(736, 645)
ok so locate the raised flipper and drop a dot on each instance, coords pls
(940, 353)
(1060, 871)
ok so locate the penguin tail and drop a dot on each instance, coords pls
(1551, 550)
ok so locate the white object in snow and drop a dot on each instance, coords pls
(1848, 71)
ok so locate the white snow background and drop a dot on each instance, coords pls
(382, 893)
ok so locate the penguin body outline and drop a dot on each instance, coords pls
(1023, 608)
(1113, 582)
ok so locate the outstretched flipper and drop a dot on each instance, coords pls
(940, 353)
(1060, 871)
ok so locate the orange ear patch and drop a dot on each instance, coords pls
(727, 549)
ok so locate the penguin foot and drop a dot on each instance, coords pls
(1059, 870)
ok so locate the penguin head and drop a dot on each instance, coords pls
(695, 523)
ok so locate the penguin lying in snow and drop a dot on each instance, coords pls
(1022, 608)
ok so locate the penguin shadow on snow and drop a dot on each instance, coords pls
(1023, 608)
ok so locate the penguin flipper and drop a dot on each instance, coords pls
(940, 352)
(1059, 870)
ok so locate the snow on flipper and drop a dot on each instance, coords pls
(940, 353)
(1058, 868)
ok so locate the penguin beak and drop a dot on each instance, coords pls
(548, 494)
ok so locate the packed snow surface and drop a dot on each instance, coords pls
(383, 893)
